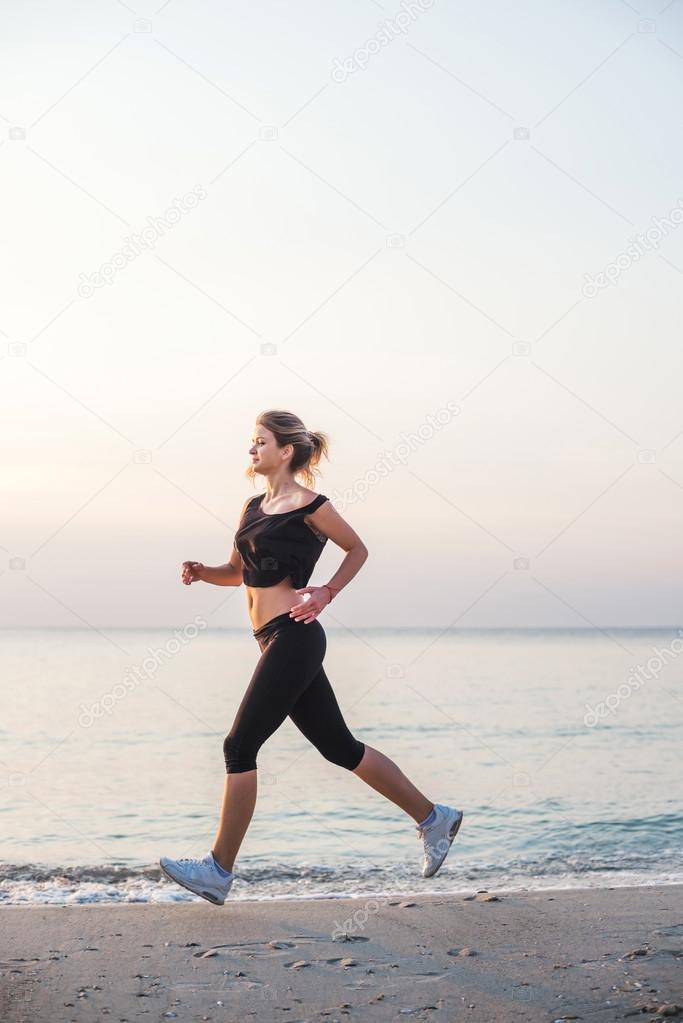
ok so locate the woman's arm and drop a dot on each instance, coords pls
(229, 574)
(327, 520)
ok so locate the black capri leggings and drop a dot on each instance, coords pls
(289, 680)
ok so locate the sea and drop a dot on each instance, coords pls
(561, 746)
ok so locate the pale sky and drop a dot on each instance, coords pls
(397, 217)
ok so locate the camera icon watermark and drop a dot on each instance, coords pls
(520, 564)
(647, 27)
(268, 348)
(16, 133)
(142, 25)
(646, 456)
(521, 348)
(142, 456)
(17, 564)
(525, 992)
(395, 670)
(396, 241)
(521, 134)
(269, 564)
(17, 349)
(268, 133)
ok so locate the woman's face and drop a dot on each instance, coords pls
(264, 453)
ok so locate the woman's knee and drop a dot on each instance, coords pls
(349, 756)
(238, 755)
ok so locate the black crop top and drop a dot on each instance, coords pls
(274, 546)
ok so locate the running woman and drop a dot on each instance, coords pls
(279, 538)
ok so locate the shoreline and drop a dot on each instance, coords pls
(164, 892)
(94, 891)
(598, 953)
(457, 893)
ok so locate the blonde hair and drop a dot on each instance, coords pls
(309, 445)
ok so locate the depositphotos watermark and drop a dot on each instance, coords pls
(135, 244)
(388, 29)
(640, 245)
(141, 673)
(389, 460)
(637, 678)
(356, 921)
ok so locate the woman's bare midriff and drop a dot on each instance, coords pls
(266, 602)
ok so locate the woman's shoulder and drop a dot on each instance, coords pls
(250, 502)
(314, 499)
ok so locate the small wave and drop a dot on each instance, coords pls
(35, 883)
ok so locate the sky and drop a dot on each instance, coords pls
(447, 235)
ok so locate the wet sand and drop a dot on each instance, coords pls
(598, 955)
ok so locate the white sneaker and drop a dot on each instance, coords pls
(199, 876)
(437, 837)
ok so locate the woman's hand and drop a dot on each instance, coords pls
(191, 572)
(311, 608)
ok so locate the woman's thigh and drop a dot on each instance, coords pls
(318, 716)
(288, 664)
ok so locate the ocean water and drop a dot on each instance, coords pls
(563, 748)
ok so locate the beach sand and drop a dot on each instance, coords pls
(591, 954)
